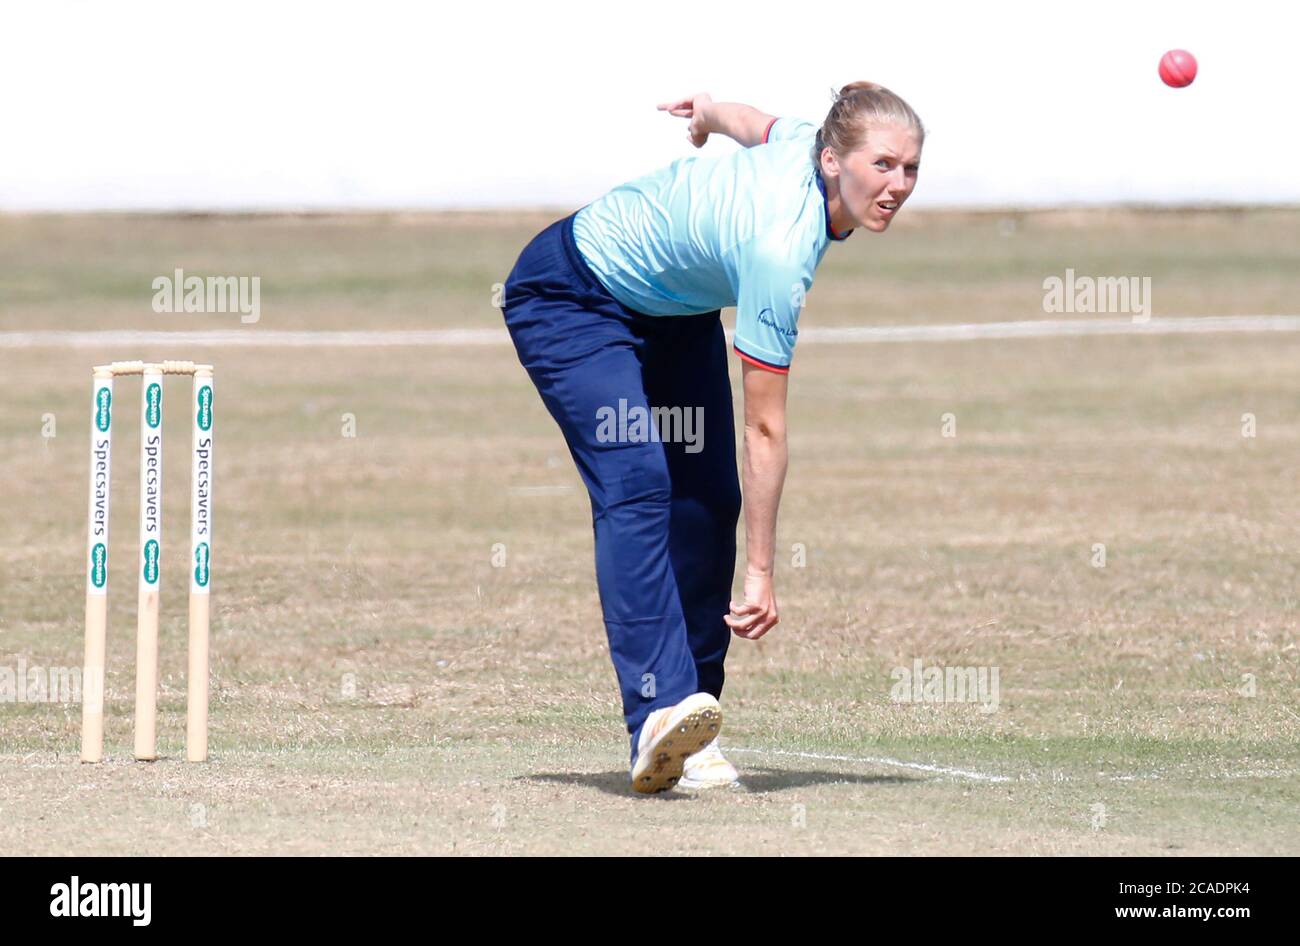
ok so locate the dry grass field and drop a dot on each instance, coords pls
(379, 686)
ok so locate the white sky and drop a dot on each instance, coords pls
(485, 103)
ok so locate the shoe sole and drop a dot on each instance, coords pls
(659, 766)
(691, 785)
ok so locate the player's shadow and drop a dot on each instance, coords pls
(763, 779)
(753, 780)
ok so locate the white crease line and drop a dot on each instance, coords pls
(1055, 328)
(1245, 773)
(257, 338)
(1031, 777)
(895, 763)
(467, 337)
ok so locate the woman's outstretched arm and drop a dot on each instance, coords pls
(743, 123)
(763, 477)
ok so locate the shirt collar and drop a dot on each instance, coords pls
(826, 208)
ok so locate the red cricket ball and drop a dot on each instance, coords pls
(1177, 68)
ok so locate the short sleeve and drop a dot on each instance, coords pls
(788, 129)
(769, 296)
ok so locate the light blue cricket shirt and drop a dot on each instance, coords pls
(746, 229)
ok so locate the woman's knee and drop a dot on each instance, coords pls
(637, 479)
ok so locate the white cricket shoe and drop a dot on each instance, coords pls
(669, 737)
(709, 768)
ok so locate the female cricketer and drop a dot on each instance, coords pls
(614, 312)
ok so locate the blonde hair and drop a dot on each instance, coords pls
(857, 106)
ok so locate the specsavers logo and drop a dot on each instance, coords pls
(103, 409)
(98, 565)
(204, 416)
(151, 562)
(153, 402)
(201, 564)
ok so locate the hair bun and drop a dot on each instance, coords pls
(855, 87)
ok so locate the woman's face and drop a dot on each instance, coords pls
(876, 179)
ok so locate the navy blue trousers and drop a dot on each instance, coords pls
(663, 509)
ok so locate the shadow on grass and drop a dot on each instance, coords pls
(753, 781)
(761, 779)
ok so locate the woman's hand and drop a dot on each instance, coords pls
(695, 107)
(757, 615)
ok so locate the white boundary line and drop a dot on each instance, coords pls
(973, 776)
(892, 763)
(466, 337)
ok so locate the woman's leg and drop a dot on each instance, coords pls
(686, 366)
(584, 356)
